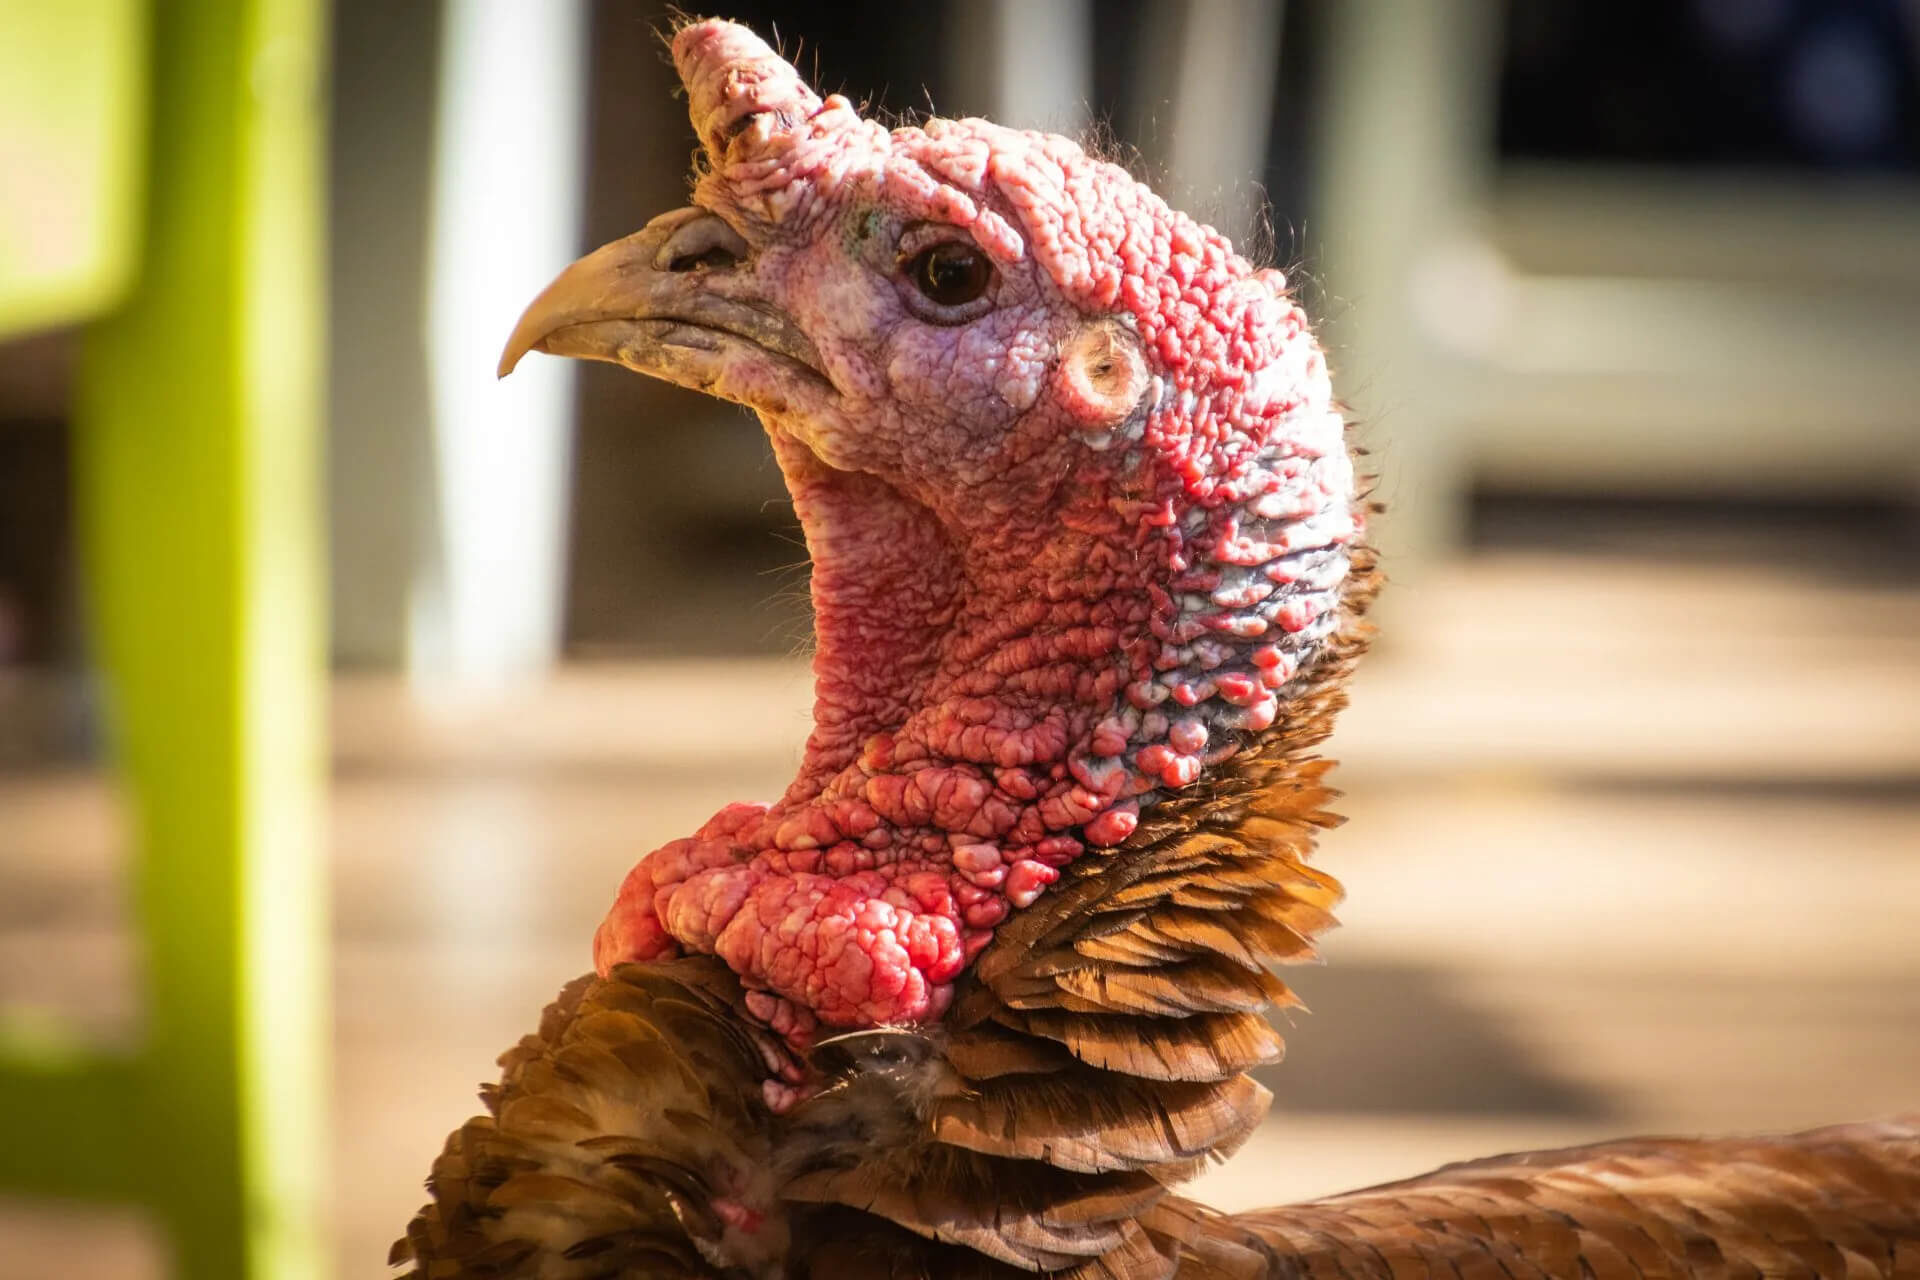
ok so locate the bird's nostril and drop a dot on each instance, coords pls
(715, 257)
(705, 243)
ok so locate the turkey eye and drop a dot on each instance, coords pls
(951, 274)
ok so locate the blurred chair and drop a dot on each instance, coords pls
(1589, 327)
(163, 190)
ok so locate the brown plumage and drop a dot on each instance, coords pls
(617, 1128)
(614, 1131)
(1835, 1202)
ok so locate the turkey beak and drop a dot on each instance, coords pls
(678, 285)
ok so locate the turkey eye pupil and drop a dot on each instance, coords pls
(951, 274)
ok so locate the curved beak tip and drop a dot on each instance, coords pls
(527, 336)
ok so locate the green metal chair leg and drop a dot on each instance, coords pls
(197, 440)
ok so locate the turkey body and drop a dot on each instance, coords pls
(635, 1111)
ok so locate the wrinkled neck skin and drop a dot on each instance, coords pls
(992, 639)
(995, 693)
(963, 661)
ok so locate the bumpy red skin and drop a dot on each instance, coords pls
(1035, 614)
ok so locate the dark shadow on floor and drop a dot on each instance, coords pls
(1386, 1038)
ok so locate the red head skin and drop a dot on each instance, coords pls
(1073, 541)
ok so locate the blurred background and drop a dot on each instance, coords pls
(1625, 297)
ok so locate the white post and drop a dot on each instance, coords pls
(1406, 152)
(1220, 107)
(506, 214)
(1026, 65)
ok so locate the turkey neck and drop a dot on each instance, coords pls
(998, 655)
(1003, 683)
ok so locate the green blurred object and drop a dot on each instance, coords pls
(73, 101)
(197, 438)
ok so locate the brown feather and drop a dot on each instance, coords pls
(1830, 1203)
(588, 1165)
(1092, 1122)
(1194, 986)
(1207, 1046)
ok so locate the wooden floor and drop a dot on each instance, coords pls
(1635, 845)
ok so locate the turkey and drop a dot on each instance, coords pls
(985, 983)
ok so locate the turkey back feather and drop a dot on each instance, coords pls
(1841, 1202)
